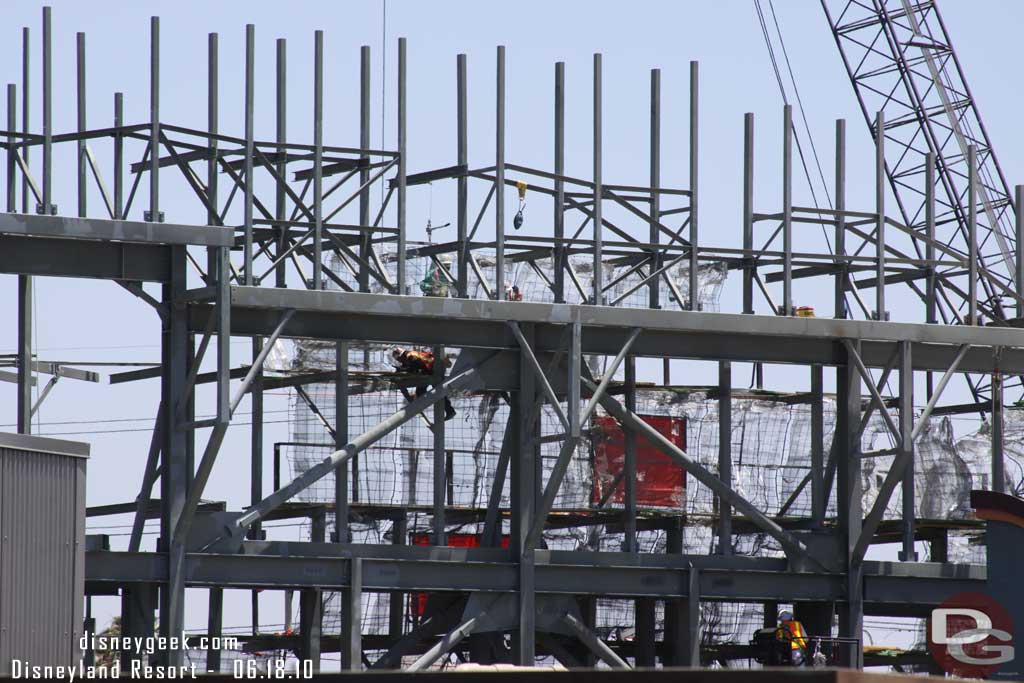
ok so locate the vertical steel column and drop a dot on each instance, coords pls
(26, 63)
(880, 180)
(174, 361)
(787, 210)
(311, 615)
(1018, 214)
(366, 236)
(676, 638)
(212, 116)
(906, 414)
(629, 465)
(256, 440)
(748, 213)
(25, 373)
(341, 531)
(998, 463)
(173, 475)
(189, 414)
(524, 503)
(654, 288)
(351, 622)
(249, 171)
(499, 177)
(724, 454)
(559, 199)
(839, 307)
(684, 635)
(214, 626)
(693, 617)
(396, 606)
(573, 390)
(289, 598)
(597, 298)
(400, 276)
(645, 624)
(318, 158)
(138, 602)
(281, 130)
(12, 125)
(256, 429)
(931, 284)
(46, 208)
(24, 282)
(437, 437)
(462, 183)
(972, 234)
(88, 630)
(154, 125)
(80, 102)
(849, 508)
(932, 281)
(694, 194)
(222, 281)
(118, 157)
(819, 504)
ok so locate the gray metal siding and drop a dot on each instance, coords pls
(42, 526)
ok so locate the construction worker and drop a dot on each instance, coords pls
(419, 363)
(790, 634)
(436, 282)
(513, 294)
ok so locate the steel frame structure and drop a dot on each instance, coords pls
(241, 286)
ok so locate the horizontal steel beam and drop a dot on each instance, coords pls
(104, 260)
(677, 334)
(122, 231)
(625, 575)
(604, 316)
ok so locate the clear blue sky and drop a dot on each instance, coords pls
(98, 321)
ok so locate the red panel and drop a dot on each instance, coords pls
(659, 481)
(418, 601)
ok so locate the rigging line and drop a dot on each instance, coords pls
(383, 79)
(150, 429)
(800, 103)
(785, 100)
(137, 419)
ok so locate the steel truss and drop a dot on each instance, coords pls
(242, 286)
(952, 195)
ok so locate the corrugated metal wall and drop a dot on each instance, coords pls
(42, 543)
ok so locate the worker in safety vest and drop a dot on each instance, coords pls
(436, 282)
(419, 363)
(791, 632)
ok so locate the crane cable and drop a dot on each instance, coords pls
(799, 100)
(803, 114)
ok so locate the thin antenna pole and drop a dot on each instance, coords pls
(694, 185)
(318, 156)
(250, 78)
(598, 295)
(499, 179)
(400, 278)
(80, 92)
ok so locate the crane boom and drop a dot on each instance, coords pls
(900, 60)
